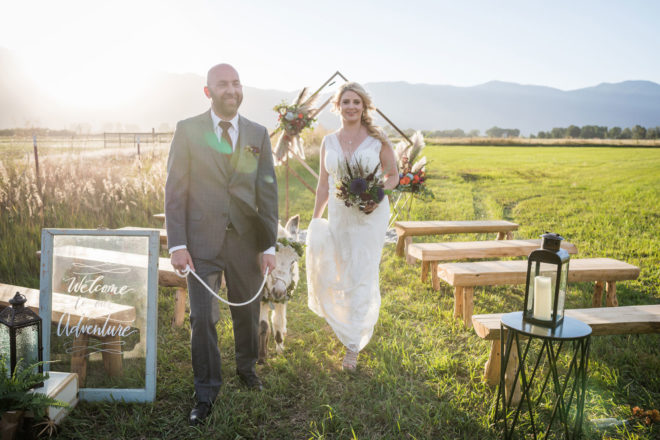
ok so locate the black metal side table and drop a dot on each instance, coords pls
(568, 388)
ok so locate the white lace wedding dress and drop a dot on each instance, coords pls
(343, 254)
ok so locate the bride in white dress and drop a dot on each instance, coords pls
(343, 252)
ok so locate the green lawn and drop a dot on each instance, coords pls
(420, 376)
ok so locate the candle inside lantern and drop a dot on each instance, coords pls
(542, 297)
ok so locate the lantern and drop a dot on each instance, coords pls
(20, 335)
(545, 288)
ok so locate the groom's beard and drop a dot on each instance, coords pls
(226, 105)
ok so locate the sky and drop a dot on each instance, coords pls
(92, 50)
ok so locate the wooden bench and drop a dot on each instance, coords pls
(405, 230)
(431, 253)
(92, 311)
(163, 232)
(167, 277)
(603, 321)
(464, 277)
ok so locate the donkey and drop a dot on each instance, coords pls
(278, 289)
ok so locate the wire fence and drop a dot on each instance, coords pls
(89, 141)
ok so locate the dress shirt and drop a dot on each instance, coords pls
(233, 134)
(233, 130)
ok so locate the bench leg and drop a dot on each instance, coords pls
(611, 300)
(79, 357)
(468, 306)
(406, 243)
(458, 302)
(112, 360)
(409, 258)
(400, 245)
(435, 279)
(492, 367)
(509, 235)
(500, 236)
(425, 271)
(510, 375)
(179, 306)
(597, 300)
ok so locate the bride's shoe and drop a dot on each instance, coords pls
(350, 360)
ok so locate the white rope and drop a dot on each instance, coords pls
(188, 270)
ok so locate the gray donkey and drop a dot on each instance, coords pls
(279, 286)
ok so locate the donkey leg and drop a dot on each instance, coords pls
(279, 326)
(264, 331)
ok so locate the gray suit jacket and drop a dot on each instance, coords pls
(207, 188)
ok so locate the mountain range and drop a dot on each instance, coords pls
(171, 97)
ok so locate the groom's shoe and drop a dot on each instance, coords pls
(199, 413)
(251, 381)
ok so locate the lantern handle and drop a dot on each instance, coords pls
(18, 300)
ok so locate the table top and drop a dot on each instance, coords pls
(569, 329)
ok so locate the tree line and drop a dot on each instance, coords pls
(599, 132)
(572, 131)
(26, 132)
(495, 132)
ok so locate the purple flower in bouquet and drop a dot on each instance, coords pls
(380, 194)
(358, 186)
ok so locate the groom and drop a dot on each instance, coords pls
(221, 216)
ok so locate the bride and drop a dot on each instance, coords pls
(343, 253)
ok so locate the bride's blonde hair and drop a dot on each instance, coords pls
(368, 107)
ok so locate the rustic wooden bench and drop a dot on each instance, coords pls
(163, 232)
(603, 321)
(405, 230)
(431, 253)
(464, 277)
(92, 311)
(167, 277)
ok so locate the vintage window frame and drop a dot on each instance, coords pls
(148, 392)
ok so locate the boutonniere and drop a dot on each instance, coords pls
(252, 150)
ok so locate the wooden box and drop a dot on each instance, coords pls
(61, 386)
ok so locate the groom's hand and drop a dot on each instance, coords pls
(180, 258)
(267, 261)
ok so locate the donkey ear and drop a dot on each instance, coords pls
(292, 226)
(281, 232)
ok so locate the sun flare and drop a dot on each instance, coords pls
(98, 84)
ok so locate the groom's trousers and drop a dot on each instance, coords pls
(239, 260)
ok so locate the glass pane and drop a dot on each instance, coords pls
(533, 271)
(544, 298)
(4, 348)
(563, 284)
(27, 345)
(99, 304)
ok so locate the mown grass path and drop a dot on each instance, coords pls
(420, 376)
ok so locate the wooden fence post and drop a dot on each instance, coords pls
(36, 166)
(36, 161)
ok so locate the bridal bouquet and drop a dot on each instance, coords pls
(292, 120)
(412, 168)
(358, 187)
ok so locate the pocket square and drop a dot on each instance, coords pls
(252, 150)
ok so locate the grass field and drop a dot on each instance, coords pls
(420, 376)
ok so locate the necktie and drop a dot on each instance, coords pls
(225, 135)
